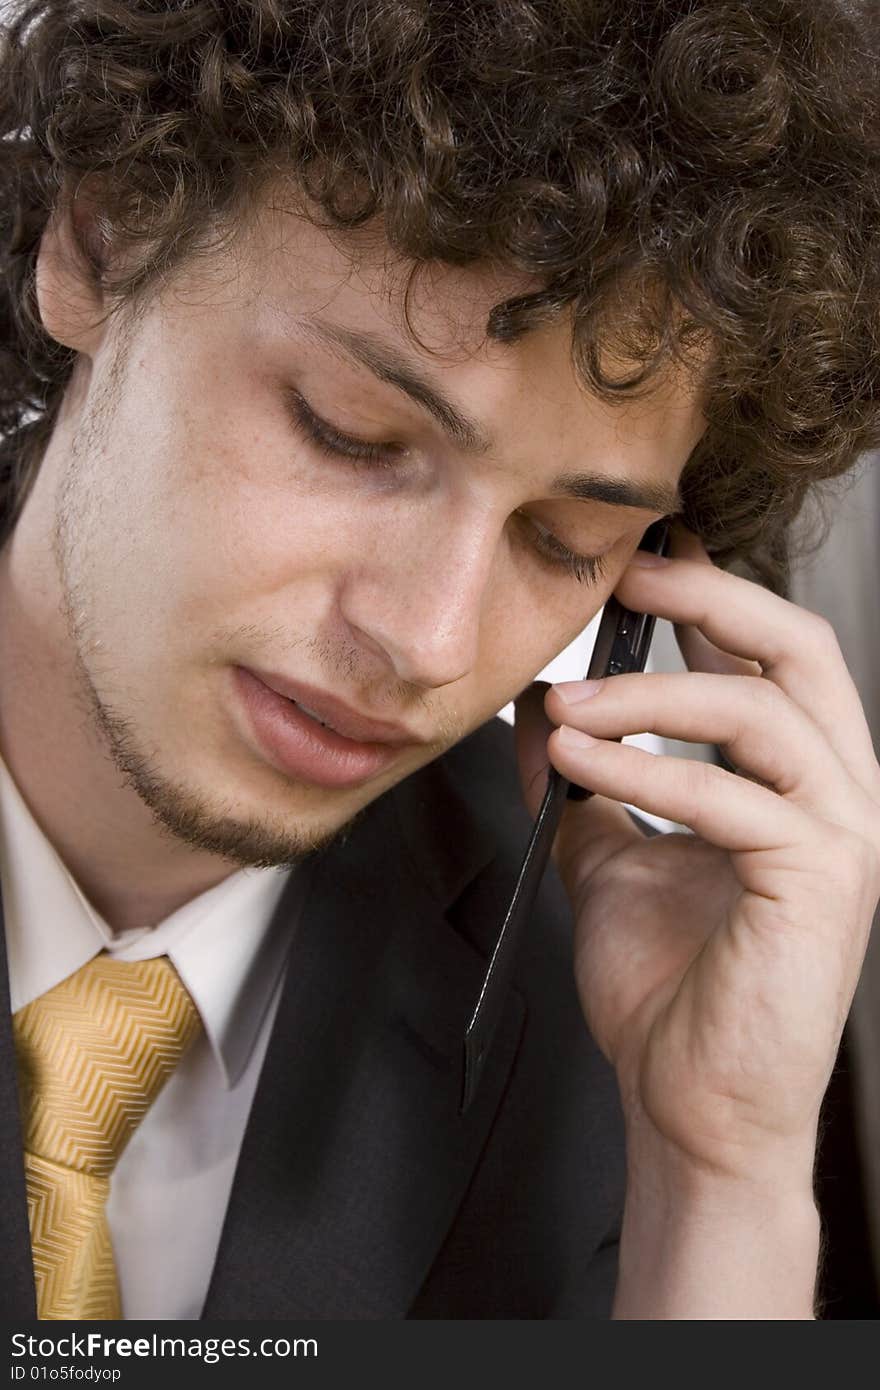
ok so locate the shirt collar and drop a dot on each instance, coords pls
(228, 945)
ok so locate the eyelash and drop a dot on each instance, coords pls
(586, 569)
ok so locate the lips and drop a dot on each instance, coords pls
(329, 710)
(313, 738)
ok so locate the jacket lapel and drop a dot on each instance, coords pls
(18, 1298)
(355, 1157)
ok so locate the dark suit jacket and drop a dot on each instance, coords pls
(361, 1192)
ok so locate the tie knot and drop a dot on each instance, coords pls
(93, 1055)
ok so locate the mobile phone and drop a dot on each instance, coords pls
(622, 645)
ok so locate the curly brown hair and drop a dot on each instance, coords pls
(672, 172)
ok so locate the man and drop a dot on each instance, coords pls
(349, 352)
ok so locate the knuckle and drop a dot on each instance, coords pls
(699, 783)
(821, 634)
(764, 696)
(856, 858)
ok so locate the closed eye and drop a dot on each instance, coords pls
(338, 445)
(586, 569)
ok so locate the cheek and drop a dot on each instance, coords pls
(230, 513)
(251, 549)
(524, 630)
(536, 612)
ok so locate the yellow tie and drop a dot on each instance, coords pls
(93, 1055)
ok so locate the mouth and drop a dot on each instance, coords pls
(314, 737)
(334, 713)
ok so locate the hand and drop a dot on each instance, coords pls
(716, 969)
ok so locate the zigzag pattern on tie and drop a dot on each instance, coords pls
(94, 1053)
(73, 1257)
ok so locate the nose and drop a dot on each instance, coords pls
(419, 600)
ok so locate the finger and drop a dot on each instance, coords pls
(797, 650)
(702, 655)
(759, 728)
(728, 811)
(699, 653)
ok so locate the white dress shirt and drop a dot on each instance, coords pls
(170, 1190)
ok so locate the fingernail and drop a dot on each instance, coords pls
(647, 560)
(573, 738)
(572, 692)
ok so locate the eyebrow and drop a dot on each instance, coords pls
(392, 367)
(619, 492)
(386, 363)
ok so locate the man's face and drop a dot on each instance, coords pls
(274, 485)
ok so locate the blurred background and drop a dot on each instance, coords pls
(842, 582)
